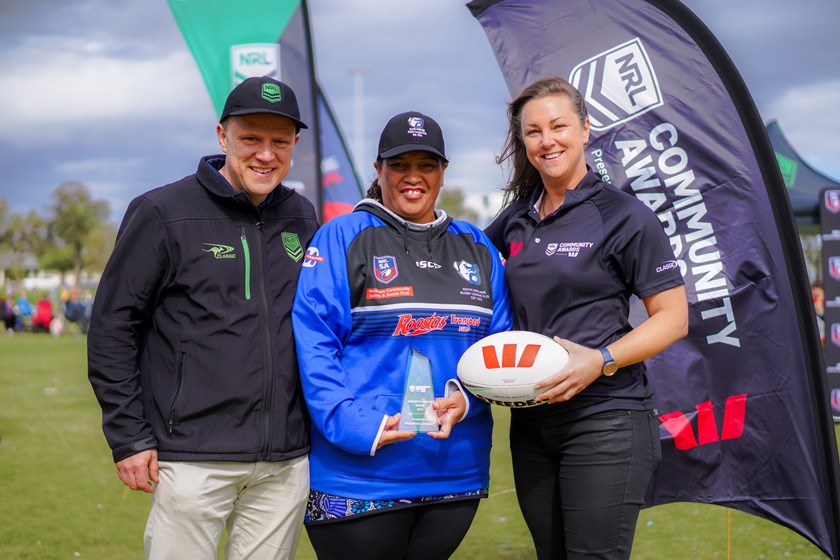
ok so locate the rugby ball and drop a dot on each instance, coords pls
(504, 367)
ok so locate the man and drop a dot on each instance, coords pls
(190, 349)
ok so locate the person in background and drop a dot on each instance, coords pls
(818, 297)
(394, 278)
(576, 249)
(190, 347)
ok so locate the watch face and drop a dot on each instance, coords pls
(610, 368)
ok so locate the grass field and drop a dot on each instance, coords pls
(60, 497)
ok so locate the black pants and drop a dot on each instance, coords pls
(581, 485)
(428, 532)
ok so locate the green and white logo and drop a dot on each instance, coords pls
(291, 242)
(271, 93)
(254, 59)
(220, 251)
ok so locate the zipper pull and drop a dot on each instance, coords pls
(171, 426)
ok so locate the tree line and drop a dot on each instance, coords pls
(74, 235)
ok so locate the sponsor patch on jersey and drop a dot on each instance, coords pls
(515, 247)
(667, 265)
(385, 269)
(388, 293)
(220, 251)
(468, 272)
(567, 249)
(407, 325)
(312, 257)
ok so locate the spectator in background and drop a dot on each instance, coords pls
(43, 315)
(24, 312)
(7, 310)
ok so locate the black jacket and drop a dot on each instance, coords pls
(190, 348)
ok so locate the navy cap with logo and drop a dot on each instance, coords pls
(411, 132)
(262, 95)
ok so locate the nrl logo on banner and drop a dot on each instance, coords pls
(254, 59)
(832, 201)
(618, 85)
(834, 267)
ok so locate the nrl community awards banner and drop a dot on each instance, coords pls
(232, 41)
(830, 231)
(745, 419)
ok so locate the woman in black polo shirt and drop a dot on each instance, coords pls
(577, 249)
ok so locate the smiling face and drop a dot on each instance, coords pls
(554, 139)
(410, 185)
(258, 150)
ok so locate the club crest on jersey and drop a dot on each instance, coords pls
(385, 269)
(468, 272)
(832, 201)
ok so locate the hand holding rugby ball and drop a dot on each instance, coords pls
(504, 367)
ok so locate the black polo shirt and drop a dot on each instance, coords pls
(572, 275)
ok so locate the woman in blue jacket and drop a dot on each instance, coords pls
(395, 278)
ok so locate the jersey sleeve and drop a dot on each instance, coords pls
(644, 255)
(322, 322)
(124, 300)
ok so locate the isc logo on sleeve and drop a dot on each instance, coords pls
(618, 84)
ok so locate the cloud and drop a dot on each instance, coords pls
(809, 118)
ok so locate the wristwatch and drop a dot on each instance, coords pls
(610, 367)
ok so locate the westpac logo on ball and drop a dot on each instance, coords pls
(618, 85)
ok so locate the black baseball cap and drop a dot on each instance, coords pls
(260, 95)
(411, 132)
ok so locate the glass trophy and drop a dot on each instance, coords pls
(417, 414)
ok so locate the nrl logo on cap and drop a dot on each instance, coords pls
(271, 93)
(618, 85)
(416, 126)
(254, 59)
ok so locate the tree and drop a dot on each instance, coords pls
(75, 216)
(451, 200)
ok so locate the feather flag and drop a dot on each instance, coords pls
(231, 41)
(743, 403)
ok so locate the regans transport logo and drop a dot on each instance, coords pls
(618, 85)
(220, 251)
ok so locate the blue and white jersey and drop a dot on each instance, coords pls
(372, 287)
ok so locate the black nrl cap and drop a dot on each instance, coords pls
(411, 132)
(260, 95)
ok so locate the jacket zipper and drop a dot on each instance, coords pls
(178, 381)
(247, 265)
(269, 370)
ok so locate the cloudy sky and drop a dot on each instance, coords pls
(107, 93)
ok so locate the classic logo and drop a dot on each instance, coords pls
(312, 257)
(515, 247)
(832, 201)
(220, 251)
(734, 418)
(618, 84)
(385, 269)
(407, 325)
(667, 265)
(291, 241)
(255, 59)
(834, 267)
(468, 272)
(509, 351)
